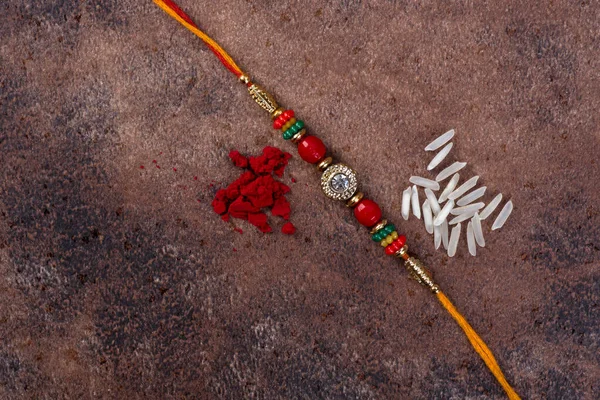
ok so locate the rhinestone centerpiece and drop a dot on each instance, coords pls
(339, 182)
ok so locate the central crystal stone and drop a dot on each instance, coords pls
(340, 182)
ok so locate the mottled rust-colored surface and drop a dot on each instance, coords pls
(116, 282)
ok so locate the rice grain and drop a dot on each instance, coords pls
(437, 236)
(467, 209)
(468, 185)
(406, 202)
(491, 207)
(439, 157)
(462, 217)
(449, 188)
(477, 230)
(443, 214)
(503, 216)
(440, 141)
(474, 195)
(427, 217)
(444, 232)
(414, 199)
(424, 182)
(449, 171)
(471, 239)
(453, 244)
(433, 202)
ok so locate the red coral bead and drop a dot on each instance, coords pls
(289, 114)
(367, 212)
(401, 241)
(389, 250)
(311, 149)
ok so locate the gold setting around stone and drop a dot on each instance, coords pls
(323, 165)
(354, 200)
(328, 178)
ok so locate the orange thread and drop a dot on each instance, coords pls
(174, 11)
(479, 345)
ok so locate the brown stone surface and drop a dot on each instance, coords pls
(116, 282)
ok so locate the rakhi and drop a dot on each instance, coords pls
(339, 182)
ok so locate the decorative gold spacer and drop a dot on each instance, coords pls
(245, 79)
(262, 98)
(277, 113)
(354, 200)
(323, 165)
(380, 225)
(296, 138)
(402, 252)
(417, 271)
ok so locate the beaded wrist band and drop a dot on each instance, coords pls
(339, 182)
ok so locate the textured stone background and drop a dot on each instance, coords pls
(116, 282)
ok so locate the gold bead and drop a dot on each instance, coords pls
(383, 242)
(354, 200)
(379, 226)
(402, 253)
(244, 79)
(394, 235)
(323, 165)
(277, 113)
(389, 239)
(298, 136)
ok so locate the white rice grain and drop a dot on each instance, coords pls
(414, 200)
(462, 217)
(444, 232)
(439, 157)
(474, 195)
(477, 230)
(427, 217)
(437, 236)
(503, 216)
(406, 202)
(471, 239)
(424, 182)
(468, 185)
(449, 171)
(433, 202)
(491, 207)
(440, 141)
(453, 244)
(467, 209)
(449, 189)
(443, 214)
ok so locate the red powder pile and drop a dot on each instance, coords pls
(256, 189)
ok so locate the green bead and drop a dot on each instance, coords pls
(386, 230)
(299, 125)
(376, 237)
(392, 228)
(292, 130)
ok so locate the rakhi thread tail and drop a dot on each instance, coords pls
(174, 11)
(479, 345)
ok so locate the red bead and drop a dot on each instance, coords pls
(283, 118)
(367, 212)
(401, 241)
(311, 149)
(395, 245)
